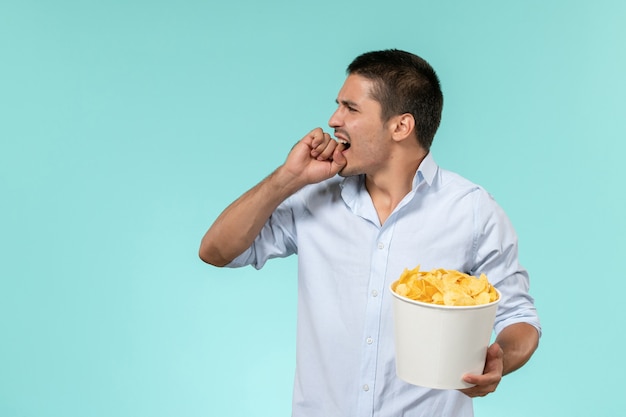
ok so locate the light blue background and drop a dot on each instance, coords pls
(127, 126)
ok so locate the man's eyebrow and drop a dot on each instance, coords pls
(347, 103)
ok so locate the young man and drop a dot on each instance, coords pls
(389, 208)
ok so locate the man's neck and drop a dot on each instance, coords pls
(387, 188)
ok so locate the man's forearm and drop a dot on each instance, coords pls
(238, 225)
(518, 342)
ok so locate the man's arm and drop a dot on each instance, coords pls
(518, 342)
(314, 158)
(513, 347)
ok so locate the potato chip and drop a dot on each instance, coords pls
(445, 287)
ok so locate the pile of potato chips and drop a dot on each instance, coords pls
(445, 287)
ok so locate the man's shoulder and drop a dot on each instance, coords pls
(449, 178)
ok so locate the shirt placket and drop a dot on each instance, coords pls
(373, 311)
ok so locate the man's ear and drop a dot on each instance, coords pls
(403, 126)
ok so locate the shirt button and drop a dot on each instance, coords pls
(369, 340)
(381, 245)
(374, 293)
(366, 387)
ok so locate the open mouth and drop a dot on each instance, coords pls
(345, 143)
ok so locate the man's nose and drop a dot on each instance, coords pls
(335, 119)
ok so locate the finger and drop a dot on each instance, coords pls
(484, 384)
(319, 145)
(490, 378)
(478, 391)
(339, 161)
(326, 150)
(314, 136)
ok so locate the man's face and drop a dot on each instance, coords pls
(357, 120)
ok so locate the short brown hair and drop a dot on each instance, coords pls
(404, 83)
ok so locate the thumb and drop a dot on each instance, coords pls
(339, 161)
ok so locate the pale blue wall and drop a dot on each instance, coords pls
(126, 126)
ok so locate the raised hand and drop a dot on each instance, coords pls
(314, 158)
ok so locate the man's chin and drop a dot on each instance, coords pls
(346, 172)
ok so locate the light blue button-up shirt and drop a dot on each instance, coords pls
(346, 263)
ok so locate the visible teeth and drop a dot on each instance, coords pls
(346, 144)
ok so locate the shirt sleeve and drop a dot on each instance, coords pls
(277, 238)
(496, 255)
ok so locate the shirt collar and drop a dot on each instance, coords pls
(353, 188)
(426, 171)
